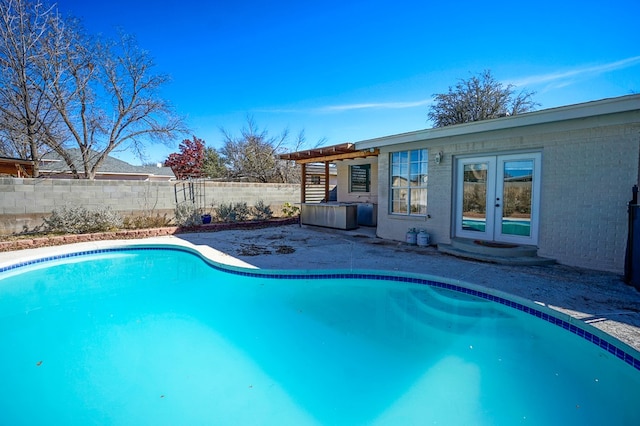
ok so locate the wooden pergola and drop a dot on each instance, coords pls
(326, 155)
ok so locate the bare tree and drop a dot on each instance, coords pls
(26, 115)
(62, 89)
(254, 155)
(480, 97)
(107, 97)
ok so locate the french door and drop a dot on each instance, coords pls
(498, 198)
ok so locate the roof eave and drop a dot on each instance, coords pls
(569, 112)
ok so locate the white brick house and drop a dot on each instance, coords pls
(558, 179)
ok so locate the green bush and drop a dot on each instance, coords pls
(289, 210)
(243, 212)
(262, 211)
(187, 215)
(225, 213)
(79, 220)
(233, 212)
(146, 221)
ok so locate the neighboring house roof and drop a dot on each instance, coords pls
(111, 168)
(571, 112)
(16, 167)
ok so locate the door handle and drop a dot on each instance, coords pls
(497, 205)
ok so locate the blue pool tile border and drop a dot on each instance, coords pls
(572, 328)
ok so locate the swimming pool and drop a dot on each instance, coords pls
(160, 335)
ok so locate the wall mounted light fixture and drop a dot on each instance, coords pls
(438, 157)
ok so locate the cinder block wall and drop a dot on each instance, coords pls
(24, 202)
(273, 194)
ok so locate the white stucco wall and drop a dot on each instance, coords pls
(588, 169)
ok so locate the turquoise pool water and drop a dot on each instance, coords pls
(162, 337)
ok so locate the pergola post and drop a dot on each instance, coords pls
(326, 181)
(303, 183)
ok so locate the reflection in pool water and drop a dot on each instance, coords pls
(509, 227)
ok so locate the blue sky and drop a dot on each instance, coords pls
(351, 70)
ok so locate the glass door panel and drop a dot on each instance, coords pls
(475, 192)
(517, 185)
(474, 197)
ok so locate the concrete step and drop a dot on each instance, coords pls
(505, 254)
(494, 249)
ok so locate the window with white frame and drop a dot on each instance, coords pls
(409, 182)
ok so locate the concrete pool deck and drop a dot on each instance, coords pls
(601, 299)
